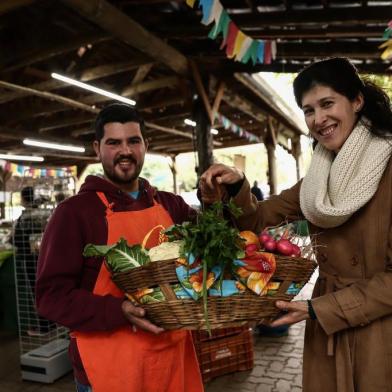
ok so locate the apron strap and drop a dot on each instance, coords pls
(109, 206)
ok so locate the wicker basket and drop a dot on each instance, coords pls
(223, 312)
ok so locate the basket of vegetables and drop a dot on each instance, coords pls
(207, 274)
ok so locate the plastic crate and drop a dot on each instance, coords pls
(203, 335)
(225, 355)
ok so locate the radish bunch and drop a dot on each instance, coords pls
(282, 246)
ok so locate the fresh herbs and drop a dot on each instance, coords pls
(212, 240)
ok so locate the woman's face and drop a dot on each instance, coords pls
(330, 116)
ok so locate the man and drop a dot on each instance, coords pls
(27, 232)
(114, 347)
(257, 191)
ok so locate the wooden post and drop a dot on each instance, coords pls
(173, 169)
(272, 170)
(270, 144)
(204, 140)
(297, 156)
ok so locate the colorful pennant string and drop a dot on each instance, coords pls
(27, 171)
(229, 125)
(387, 45)
(238, 45)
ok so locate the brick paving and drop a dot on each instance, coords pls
(277, 366)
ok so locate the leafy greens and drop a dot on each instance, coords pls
(120, 256)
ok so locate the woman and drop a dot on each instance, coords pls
(346, 196)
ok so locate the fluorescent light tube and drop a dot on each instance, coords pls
(12, 157)
(54, 146)
(94, 89)
(192, 123)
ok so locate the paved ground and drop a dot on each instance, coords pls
(278, 363)
(278, 366)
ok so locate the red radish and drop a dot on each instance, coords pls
(296, 250)
(270, 245)
(264, 237)
(251, 249)
(284, 247)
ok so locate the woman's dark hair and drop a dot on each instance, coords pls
(117, 112)
(341, 75)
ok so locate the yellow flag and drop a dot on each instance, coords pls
(238, 43)
(191, 3)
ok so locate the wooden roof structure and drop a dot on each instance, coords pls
(158, 53)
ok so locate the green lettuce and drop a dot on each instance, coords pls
(120, 256)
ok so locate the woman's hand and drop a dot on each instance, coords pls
(296, 312)
(212, 181)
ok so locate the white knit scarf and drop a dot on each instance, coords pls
(333, 189)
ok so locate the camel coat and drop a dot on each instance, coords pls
(349, 347)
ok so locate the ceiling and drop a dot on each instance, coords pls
(158, 53)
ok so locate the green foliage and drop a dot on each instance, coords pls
(383, 81)
(120, 256)
(211, 238)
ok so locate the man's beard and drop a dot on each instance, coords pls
(114, 178)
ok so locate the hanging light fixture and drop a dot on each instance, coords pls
(13, 157)
(54, 146)
(94, 89)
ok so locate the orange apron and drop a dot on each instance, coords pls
(124, 360)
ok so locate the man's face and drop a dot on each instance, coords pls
(121, 152)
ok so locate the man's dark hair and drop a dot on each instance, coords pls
(117, 112)
(27, 194)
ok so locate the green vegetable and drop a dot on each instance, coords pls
(211, 239)
(120, 256)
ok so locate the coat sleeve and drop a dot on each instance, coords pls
(61, 291)
(277, 209)
(358, 304)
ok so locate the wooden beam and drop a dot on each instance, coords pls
(235, 101)
(10, 5)
(150, 85)
(59, 154)
(50, 124)
(50, 96)
(141, 73)
(132, 33)
(86, 75)
(12, 61)
(17, 134)
(113, 68)
(201, 90)
(82, 132)
(331, 16)
(252, 85)
(297, 32)
(171, 131)
(217, 100)
(292, 66)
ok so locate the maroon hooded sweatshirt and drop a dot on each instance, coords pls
(65, 279)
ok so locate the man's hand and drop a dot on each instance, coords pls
(213, 179)
(135, 315)
(297, 311)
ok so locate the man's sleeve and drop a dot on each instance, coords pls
(60, 295)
